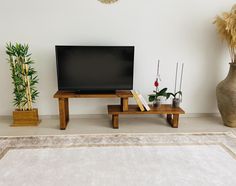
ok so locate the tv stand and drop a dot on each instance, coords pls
(64, 96)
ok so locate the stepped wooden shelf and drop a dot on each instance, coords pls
(172, 114)
(64, 96)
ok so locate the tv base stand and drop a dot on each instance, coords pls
(64, 96)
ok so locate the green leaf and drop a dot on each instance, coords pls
(163, 91)
(151, 98)
(180, 93)
(168, 95)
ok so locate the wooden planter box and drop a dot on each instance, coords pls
(25, 118)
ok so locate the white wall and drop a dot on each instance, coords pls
(170, 30)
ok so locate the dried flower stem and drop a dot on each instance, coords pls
(226, 26)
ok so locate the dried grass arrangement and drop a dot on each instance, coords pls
(226, 26)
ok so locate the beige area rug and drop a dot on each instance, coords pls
(119, 159)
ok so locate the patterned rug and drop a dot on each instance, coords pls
(119, 159)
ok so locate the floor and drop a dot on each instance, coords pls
(102, 125)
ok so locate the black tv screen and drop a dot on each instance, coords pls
(95, 68)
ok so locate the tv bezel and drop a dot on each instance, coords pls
(93, 90)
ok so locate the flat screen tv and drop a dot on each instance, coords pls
(91, 69)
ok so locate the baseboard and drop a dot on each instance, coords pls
(103, 116)
(195, 115)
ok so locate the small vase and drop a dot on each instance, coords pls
(226, 97)
(176, 102)
(157, 103)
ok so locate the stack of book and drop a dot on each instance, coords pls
(143, 105)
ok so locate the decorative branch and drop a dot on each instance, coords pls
(181, 77)
(176, 76)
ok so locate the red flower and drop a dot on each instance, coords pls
(156, 84)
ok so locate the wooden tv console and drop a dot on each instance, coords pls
(64, 96)
(115, 110)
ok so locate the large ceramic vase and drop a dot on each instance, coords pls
(226, 97)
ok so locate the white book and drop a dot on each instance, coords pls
(145, 104)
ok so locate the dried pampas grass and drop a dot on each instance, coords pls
(226, 26)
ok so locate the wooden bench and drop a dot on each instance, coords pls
(172, 114)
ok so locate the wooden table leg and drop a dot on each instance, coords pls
(125, 104)
(63, 112)
(175, 122)
(67, 109)
(121, 102)
(115, 121)
(169, 118)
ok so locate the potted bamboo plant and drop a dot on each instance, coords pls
(24, 79)
(226, 90)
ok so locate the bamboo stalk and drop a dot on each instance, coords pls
(19, 63)
(24, 67)
(27, 94)
(13, 66)
(30, 95)
(29, 98)
(28, 89)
